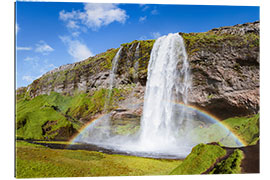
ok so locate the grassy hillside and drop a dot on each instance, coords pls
(231, 165)
(210, 159)
(246, 128)
(57, 116)
(200, 159)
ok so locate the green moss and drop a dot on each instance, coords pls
(214, 42)
(231, 165)
(21, 93)
(210, 96)
(245, 127)
(131, 70)
(32, 115)
(107, 64)
(200, 159)
(36, 162)
(55, 111)
(127, 60)
(127, 129)
(83, 105)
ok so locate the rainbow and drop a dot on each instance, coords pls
(213, 119)
(83, 129)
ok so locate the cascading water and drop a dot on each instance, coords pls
(99, 132)
(136, 64)
(167, 129)
(112, 77)
(106, 123)
(168, 81)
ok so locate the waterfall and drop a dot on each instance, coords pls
(136, 64)
(112, 78)
(100, 131)
(167, 129)
(168, 82)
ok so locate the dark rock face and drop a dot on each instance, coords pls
(225, 70)
(224, 63)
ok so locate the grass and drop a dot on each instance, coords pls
(214, 42)
(231, 165)
(213, 133)
(43, 116)
(34, 161)
(200, 159)
(245, 127)
(32, 115)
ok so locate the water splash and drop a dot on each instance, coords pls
(102, 128)
(168, 81)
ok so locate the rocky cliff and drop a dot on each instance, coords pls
(225, 69)
(224, 63)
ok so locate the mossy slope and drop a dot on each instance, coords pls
(55, 115)
(246, 128)
(210, 159)
(200, 159)
(231, 165)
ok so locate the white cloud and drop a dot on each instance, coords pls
(28, 78)
(141, 19)
(29, 58)
(76, 49)
(24, 48)
(17, 28)
(154, 12)
(142, 38)
(43, 48)
(75, 34)
(68, 15)
(144, 7)
(155, 35)
(33, 61)
(94, 16)
(72, 24)
(47, 67)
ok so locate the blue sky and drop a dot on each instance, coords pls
(53, 34)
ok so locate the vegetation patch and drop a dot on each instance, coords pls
(55, 115)
(245, 127)
(231, 165)
(35, 162)
(200, 159)
(32, 115)
(213, 42)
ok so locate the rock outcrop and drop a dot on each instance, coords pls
(224, 63)
(225, 69)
